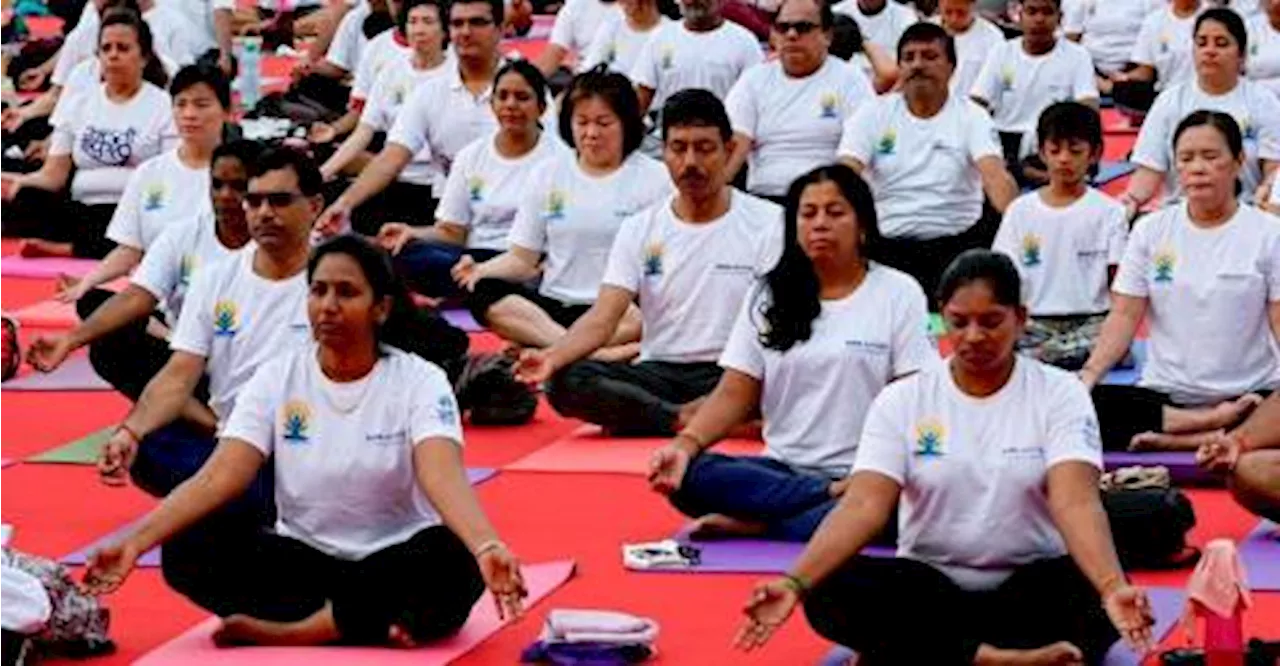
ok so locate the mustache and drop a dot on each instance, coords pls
(692, 174)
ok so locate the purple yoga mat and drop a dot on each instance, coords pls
(45, 267)
(76, 374)
(151, 558)
(1182, 465)
(462, 319)
(1166, 603)
(749, 555)
(1260, 553)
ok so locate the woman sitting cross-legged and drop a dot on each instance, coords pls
(564, 227)
(1206, 272)
(993, 461)
(811, 362)
(380, 539)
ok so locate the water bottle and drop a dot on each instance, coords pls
(249, 78)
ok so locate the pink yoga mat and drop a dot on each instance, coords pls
(45, 267)
(76, 374)
(587, 450)
(196, 648)
(1260, 553)
(1166, 603)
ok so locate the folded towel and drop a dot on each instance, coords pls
(598, 626)
(1218, 583)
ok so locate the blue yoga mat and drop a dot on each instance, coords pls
(1129, 376)
(1109, 171)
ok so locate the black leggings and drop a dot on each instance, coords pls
(1125, 411)
(128, 357)
(901, 611)
(37, 213)
(639, 400)
(491, 290)
(426, 585)
(925, 260)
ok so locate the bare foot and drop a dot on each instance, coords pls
(1061, 653)
(38, 247)
(715, 526)
(319, 629)
(1160, 441)
(622, 353)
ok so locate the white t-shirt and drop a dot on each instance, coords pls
(386, 48)
(577, 21)
(691, 279)
(1110, 27)
(86, 77)
(1263, 64)
(972, 48)
(972, 470)
(572, 217)
(1167, 43)
(883, 29)
(107, 141)
(1019, 86)
(814, 395)
(794, 123)
(617, 44)
(199, 13)
(923, 171)
(1063, 253)
(238, 320)
(184, 248)
(172, 34)
(345, 483)
(676, 58)
(160, 192)
(1209, 292)
(349, 40)
(485, 189)
(1255, 108)
(395, 83)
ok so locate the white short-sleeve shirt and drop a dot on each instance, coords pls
(922, 170)
(85, 78)
(349, 39)
(1256, 110)
(183, 249)
(386, 48)
(237, 320)
(814, 395)
(884, 28)
(1263, 63)
(1167, 43)
(1110, 27)
(572, 217)
(1209, 292)
(794, 123)
(1064, 253)
(1019, 86)
(107, 141)
(617, 44)
(162, 191)
(577, 21)
(972, 47)
(484, 189)
(395, 83)
(200, 13)
(691, 279)
(676, 58)
(974, 501)
(345, 481)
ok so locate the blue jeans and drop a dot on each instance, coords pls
(790, 503)
(425, 266)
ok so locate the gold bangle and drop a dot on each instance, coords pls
(492, 544)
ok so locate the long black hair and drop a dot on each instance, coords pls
(792, 285)
(152, 69)
(406, 327)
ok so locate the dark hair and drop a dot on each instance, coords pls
(310, 181)
(210, 75)
(1070, 121)
(695, 107)
(1229, 20)
(793, 286)
(846, 37)
(979, 265)
(826, 17)
(402, 20)
(152, 69)
(244, 150)
(1223, 122)
(613, 89)
(531, 75)
(926, 33)
(496, 7)
(1057, 4)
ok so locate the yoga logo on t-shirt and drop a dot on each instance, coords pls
(153, 198)
(226, 318)
(668, 56)
(447, 410)
(295, 420)
(109, 147)
(475, 188)
(888, 142)
(1030, 250)
(1163, 264)
(186, 267)
(930, 436)
(1247, 131)
(556, 201)
(1006, 79)
(653, 259)
(828, 103)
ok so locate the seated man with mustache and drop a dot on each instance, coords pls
(689, 262)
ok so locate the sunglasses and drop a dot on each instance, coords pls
(274, 199)
(237, 184)
(474, 22)
(801, 27)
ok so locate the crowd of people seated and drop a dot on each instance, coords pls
(679, 231)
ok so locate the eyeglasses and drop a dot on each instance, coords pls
(237, 184)
(254, 200)
(474, 22)
(801, 27)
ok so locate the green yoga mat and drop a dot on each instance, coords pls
(83, 451)
(936, 326)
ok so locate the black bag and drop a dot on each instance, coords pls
(1149, 526)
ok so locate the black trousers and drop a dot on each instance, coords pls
(879, 606)
(1125, 411)
(128, 357)
(427, 585)
(399, 202)
(491, 290)
(638, 400)
(37, 213)
(925, 260)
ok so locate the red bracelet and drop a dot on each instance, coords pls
(130, 431)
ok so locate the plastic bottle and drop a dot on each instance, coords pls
(249, 79)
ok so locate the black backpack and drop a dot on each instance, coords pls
(1149, 526)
